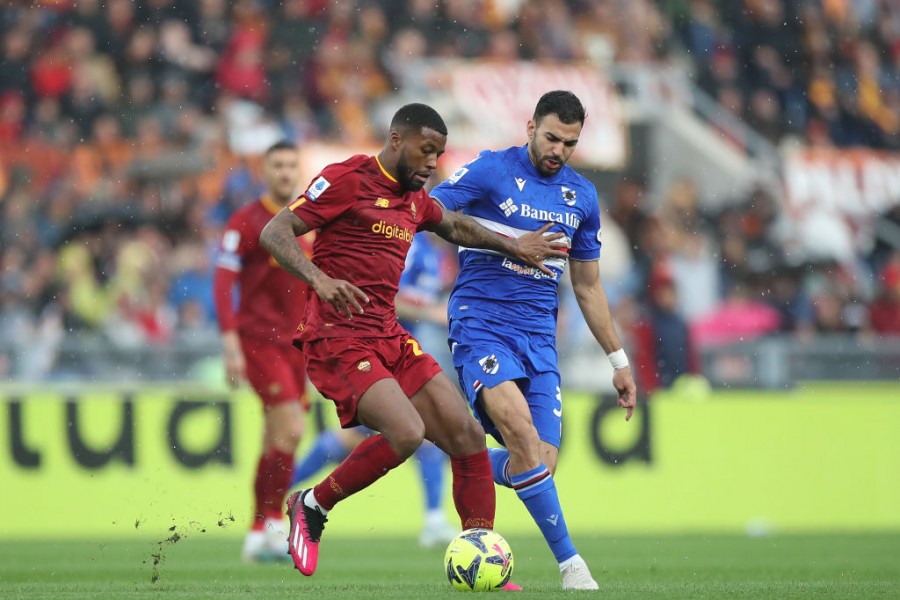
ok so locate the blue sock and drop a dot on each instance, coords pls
(431, 460)
(537, 490)
(326, 449)
(500, 466)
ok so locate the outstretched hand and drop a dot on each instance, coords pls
(535, 247)
(342, 295)
(623, 381)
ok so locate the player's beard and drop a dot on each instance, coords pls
(538, 162)
(405, 175)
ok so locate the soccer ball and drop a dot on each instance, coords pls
(478, 560)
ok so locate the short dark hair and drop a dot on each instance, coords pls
(282, 145)
(417, 116)
(561, 103)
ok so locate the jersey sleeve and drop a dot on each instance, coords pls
(586, 241)
(432, 215)
(327, 197)
(235, 244)
(468, 184)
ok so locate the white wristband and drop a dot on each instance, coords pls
(618, 359)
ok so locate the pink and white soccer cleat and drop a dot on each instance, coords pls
(304, 533)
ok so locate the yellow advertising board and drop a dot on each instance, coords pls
(107, 462)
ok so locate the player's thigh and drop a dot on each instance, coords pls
(508, 409)
(284, 423)
(485, 358)
(272, 372)
(386, 408)
(342, 370)
(545, 405)
(448, 422)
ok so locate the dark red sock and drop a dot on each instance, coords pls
(273, 478)
(368, 463)
(473, 490)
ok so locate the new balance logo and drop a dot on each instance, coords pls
(520, 183)
(508, 207)
(382, 203)
(553, 519)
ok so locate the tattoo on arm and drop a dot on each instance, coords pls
(463, 230)
(279, 237)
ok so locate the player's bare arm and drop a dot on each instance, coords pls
(532, 248)
(594, 306)
(279, 237)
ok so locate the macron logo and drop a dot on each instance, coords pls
(520, 183)
(553, 519)
(508, 207)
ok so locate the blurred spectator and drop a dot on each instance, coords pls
(663, 348)
(15, 66)
(739, 318)
(241, 70)
(191, 292)
(884, 315)
(789, 299)
(291, 45)
(628, 208)
(12, 116)
(691, 251)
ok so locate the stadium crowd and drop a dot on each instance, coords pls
(129, 132)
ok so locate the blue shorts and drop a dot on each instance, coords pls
(486, 354)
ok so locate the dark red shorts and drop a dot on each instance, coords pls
(344, 368)
(276, 371)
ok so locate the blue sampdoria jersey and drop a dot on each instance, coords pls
(421, 277)
(504, 192)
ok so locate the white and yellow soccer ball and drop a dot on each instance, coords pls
(478, 560)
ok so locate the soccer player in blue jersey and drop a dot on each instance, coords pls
(503, 312)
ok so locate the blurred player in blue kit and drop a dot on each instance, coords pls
(422, 311)
(503, 312)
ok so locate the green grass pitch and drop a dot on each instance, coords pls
(715, 567)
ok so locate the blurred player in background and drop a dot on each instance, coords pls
(367, 210)
(256, 339)
(422, 311)
(503, 312)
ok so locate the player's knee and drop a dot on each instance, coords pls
(463, 440)
(285, 432)
(293, 432)
(405, 440)
(519, 429)
(550, 463)
(472, 436)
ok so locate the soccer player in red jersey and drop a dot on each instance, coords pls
(257, 343)
(366, 211)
